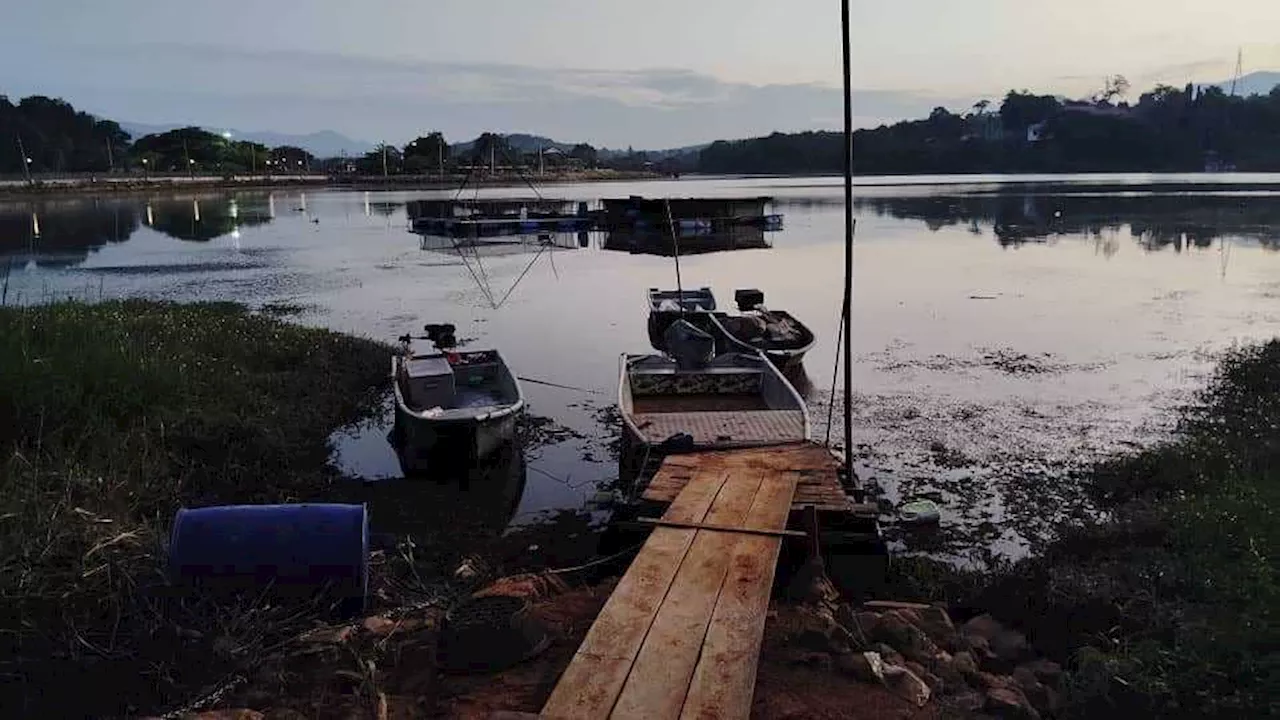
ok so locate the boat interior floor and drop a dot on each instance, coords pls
(471, 397)
(701, 402)
(739, 428)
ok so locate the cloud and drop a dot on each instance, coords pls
(395, 99)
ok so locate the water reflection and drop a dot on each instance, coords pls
(203, 218)
(691, 241)
(62, 233)
(1156, 222)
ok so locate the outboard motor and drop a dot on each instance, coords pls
(748, 299)
(691, 348)
(443, 336)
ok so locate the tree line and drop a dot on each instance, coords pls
(1167, 129)
(48, 135)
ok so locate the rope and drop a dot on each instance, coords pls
(536, 381)
(593, 563)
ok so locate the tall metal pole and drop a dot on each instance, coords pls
(22, 158)
(848, 240)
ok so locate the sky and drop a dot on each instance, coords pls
(651, 74)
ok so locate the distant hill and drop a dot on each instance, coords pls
(1255, 83)
(520, 142)
(526, 143)
(325, 143)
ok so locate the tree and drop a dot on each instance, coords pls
(382, 158)
(1021, 110)
(587, 154)
(291, 159)
(185, 149)
(489, 149)
(1116, 86)
(980, 107)
(428, 153)
(56, 137)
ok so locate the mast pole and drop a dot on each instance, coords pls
(848, 240)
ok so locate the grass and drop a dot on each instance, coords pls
(113, 415)
(1168, 606)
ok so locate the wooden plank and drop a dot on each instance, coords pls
(589, 686)
(724, 679)
(660, 676)
(720, 528)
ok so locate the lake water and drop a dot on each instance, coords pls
(1005, 333)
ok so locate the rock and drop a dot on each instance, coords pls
(982, 655)
(914, 667)
(969, 701)
(1009, 646)
(511, 715)
(888, 654)
(907, 685)
(1046, 671)
(821, 632)
(865, 666)
(1009, 703)
(964, 664)
(895, 629)
(950, 675)
(1042, 697)
(378, 625)
(983, 626)
(934, 682)
(990, 680)
(237, 714)
(861, 625)
(936, 623)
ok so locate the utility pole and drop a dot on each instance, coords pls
(541, 167)
(440, 155)
(492, 168)
(22, 158)
(191, 172)
(384, 160)
(111, 161)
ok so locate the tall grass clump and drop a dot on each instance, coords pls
(112, 416)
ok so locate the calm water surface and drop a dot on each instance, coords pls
(1005, 333)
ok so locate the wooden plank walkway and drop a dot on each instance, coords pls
(680, 635)
(819, 483)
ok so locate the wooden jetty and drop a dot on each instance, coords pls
(680, 635)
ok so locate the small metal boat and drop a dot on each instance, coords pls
(780, 336)
(668, 306)
(696, 399)
(449, 401)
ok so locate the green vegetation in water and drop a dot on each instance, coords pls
(1168, 606)
(112, 416)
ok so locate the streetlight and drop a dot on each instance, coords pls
(144, 174)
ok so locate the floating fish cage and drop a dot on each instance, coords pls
(708, 214)
(498, 217)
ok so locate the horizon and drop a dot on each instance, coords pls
(729, 70)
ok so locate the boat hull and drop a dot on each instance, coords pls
(419, 439)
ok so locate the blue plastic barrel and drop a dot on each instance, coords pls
(299, 551)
